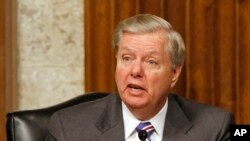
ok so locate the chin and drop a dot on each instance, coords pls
(135, 103)
(136, 106)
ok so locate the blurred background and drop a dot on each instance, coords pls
(54, 50)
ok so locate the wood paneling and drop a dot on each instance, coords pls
(243, 64)
(171, 9)
(201, 51)
(2, 71)
(7, 61)
(99, 58)
(224, 62)
(216, 34)
(155, 7)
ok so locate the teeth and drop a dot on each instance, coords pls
(136, 89)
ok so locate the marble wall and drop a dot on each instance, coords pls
(51, 53)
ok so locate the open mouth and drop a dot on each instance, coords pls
(135, 87)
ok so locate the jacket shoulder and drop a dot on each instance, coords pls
(195, 109)
(89, 108)
(209, 122)
(71, 123)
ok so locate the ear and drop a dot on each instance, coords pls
(176, 74)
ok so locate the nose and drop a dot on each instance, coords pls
(137, 69)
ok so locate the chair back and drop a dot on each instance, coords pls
(32, 125)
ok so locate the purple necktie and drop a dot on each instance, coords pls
(145, 130)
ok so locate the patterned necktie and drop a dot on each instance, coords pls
(145, 126)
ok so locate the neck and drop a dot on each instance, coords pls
(148, 112)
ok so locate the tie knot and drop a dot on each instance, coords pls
(145, 127)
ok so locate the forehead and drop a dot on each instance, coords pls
(146, 41)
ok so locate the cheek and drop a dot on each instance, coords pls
(160, 81)
(119, 76)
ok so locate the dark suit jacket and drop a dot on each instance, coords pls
(101, 120)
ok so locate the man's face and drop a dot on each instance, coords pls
(144, 73)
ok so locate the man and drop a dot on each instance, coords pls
(150, 56)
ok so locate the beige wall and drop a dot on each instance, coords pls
(50, 47)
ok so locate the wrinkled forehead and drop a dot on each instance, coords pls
(148, 43)
(159, 34)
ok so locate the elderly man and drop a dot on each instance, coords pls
(150, 56)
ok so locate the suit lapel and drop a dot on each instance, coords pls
(176, 124)
(110, 123)
(111, 127)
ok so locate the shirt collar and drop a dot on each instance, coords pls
(130, 121)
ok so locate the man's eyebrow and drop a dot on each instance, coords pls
(126, 49)
(148, 52)
(153, 52)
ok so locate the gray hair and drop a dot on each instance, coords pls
(144, 23)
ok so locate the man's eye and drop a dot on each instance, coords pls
(125, 58)
(152, 62)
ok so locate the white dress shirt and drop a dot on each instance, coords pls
(130, 123)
